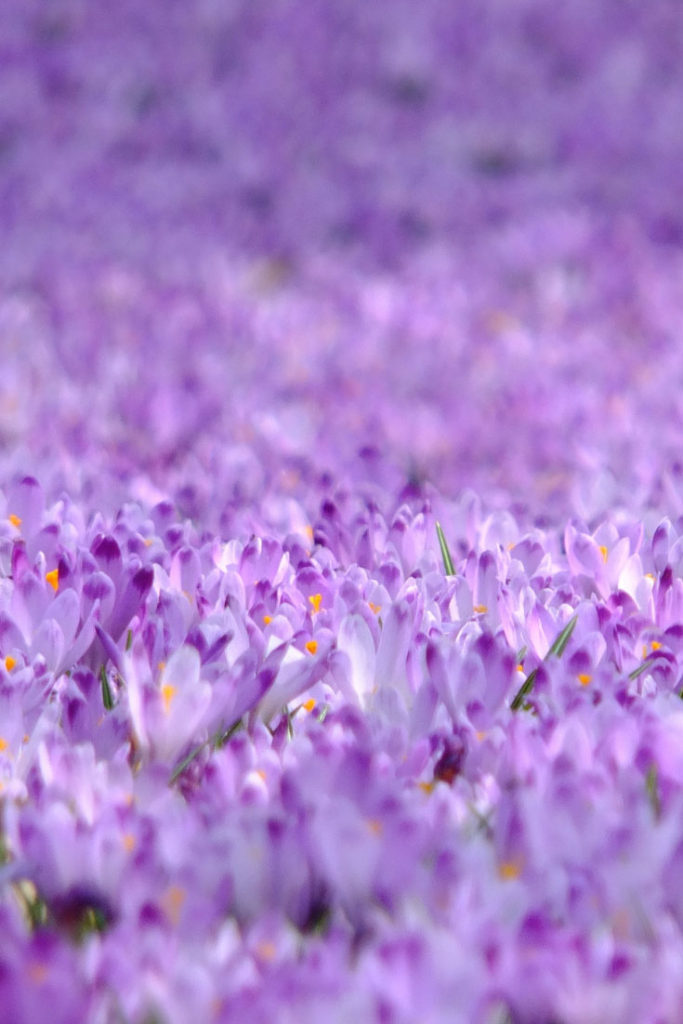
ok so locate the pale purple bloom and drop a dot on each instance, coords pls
(283, 287)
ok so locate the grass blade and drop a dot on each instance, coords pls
(445, 553)
(178, 771)
(524, 690)
(557, 648)
(562, 639)
(107, 698)
(218, 740)
(643, 667)
(651, 780)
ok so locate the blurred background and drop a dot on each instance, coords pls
(257, 247)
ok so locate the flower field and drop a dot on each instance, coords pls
(341, 512)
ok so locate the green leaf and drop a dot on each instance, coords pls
(642, 668)
(524, 690)
(324, 712)
(483, 820)
(107, 698)
(557, 648)
(562, 639)
(178, 771)
(222, 736)
(129, 639)
(653, 790)
(445, 553)
(34, 906)
(218, 740)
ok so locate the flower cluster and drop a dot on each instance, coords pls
(341, 512)
(255, 774)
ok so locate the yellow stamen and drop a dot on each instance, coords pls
(129, 842)
(168, 692)
(480, 735)
(25, 738)
(584, 678)
(375, 826)
(266, 950)
(172, 903)
(481, 609)
(376, 608)
(426, 787)
(498, 320)
(604, 552)
(655, 645)
(520, 667)
(308, 530)
(15, 520)
(309, 704)
(10, 662)
(267, 619)
(316, 601)
(38, 973)
(312, 646)
(509, 870)
(52, 578)
(3, 744)
(621, 923)
(644, 651)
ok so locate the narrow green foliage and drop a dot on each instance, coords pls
(129, 639)
(37, 912)
(178, 771)
(107, 698)
(560, 642)
(84, 921)
(153, 1018)
(483, 820)
(34, 907)
(323, 713)
(524, 690)
(318, 920)
(499, 1014)
(557, 649)
(651, 785)
(641, 668)
(218, 740)
(221, 737)
(445, 552)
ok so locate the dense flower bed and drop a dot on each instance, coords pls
(341, 512)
